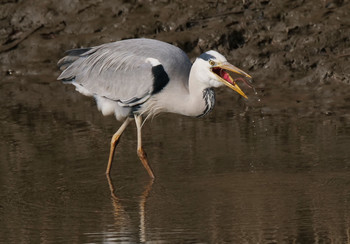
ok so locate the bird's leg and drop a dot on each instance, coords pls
(114, 143)
(140, 152)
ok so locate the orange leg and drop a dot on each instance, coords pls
(140, 152)
(114, 143)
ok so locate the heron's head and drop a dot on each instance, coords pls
(214, 70)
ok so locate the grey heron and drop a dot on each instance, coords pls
(137, 78)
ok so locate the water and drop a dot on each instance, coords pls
(236, 176)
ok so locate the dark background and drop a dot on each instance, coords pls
(297, 51)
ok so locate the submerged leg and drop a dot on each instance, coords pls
(140, 152)
(114, 143)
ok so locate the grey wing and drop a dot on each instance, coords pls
(110, 71)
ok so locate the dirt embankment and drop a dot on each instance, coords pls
(297, 51)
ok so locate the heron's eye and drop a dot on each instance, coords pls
(211, 62)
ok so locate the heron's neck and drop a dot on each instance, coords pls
(190, 98)
(201, 97)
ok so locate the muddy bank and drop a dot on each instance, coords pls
(297, 51)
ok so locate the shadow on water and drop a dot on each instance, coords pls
(238, 175)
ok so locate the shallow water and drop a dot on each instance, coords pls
(230, 177)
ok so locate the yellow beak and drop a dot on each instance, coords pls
(220, 71)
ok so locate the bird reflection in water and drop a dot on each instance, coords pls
(121, 214)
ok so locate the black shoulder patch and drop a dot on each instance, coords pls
(160, 78)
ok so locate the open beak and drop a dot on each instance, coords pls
(221, 71)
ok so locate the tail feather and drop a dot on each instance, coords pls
(77, 51)
(64, 63)
(71, 56)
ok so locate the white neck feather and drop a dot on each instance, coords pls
(177, 97)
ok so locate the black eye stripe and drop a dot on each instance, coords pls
(206, 56)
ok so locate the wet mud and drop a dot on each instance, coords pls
(297, 51)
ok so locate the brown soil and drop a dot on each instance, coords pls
(297, 51)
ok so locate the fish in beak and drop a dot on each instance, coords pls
(221, 71)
